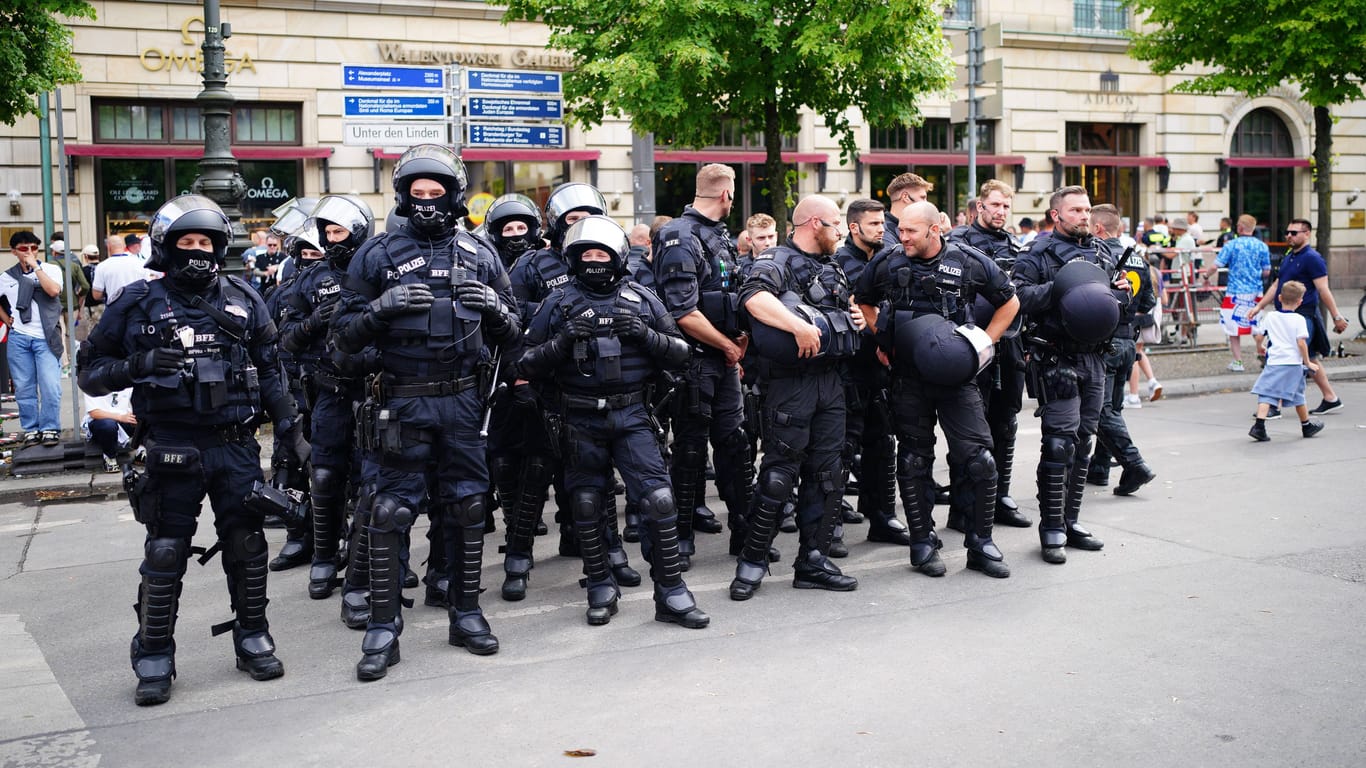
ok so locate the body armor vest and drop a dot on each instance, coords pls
(605, 364)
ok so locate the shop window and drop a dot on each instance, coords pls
(934, 135)
(187, 124)
(129, 122)
(1100, 16)
(182, 122)
(263, 124)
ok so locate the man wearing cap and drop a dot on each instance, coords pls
(132, 243)
(935, 354)
(1068, 323)
(30, 306)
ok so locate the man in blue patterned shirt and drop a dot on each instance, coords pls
(1249, 262)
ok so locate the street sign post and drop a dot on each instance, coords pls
(394, 77)
(514, 135)
(516, 108)
(405, 133)
(394, 106)
(513, 81)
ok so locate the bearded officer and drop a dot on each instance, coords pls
(935, 354)
(1069, 321)
(200, 351)
(803, 410)
(434, 302)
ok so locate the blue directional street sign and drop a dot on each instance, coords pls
(512, 81)
(516, 107)
(389, 76)
(394, 106)
(514, 135)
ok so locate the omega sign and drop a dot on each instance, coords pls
(394, 53)
(191, 58)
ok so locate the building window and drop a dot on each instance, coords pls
(1102, 139)
(933, 136)
(266, 124)
(1261, 134)
(958, 13)
(182, 122)
(1100, 16)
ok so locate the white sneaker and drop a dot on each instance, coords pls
(1132, 401)
(110, 465)
(1154, 390)
(1236, 366)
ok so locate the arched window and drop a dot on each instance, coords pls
(1261, 165)
(1262, 134)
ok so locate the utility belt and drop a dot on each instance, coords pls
(1039, 346)
(571, 402)
(204, 437)
(813, 367)
(390, 386)
(383, 434)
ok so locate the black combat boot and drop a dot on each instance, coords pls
(754, 550)
(436, 580)
(674, 604)
(925, 543)
(153, 648)
(617, 560)
(1077, 536)
(355, 591)
(244, 563)
(983, 554)
(602, 589)
(1052, 480)
(1133, 477)
(469, 629)
(380, 647)
(814, 568)
(1007, 511)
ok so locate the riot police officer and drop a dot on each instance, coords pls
(805, 326)
(1002, 382)
(868, 432)
(339, 225)
(534, 276)
(1112, 433)
(695, 275)
(433, 301)
(603, 339)
(199, 350)
(936, 353)
(1071, 308)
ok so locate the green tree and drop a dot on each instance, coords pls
(1318, 45)
(678, 68)
(35, 52)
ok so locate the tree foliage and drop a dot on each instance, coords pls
(677, 68)
(35, 52)
(1317, 45)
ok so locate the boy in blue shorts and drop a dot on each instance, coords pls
(1287, 350)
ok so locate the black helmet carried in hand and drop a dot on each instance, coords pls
(839, 337)
(350, 214)
(508, 208)
(565, 199)
(1088, 309)
(191, 268)
(440, 164)
(940, 352)
(601, 233)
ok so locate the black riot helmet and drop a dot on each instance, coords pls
(291, 214)
(508, 208)
(565, 199)
(602, 233)
(393, 221)
(940, 352)
(350, 214)
(191, 269)
(1088, 309)
(440, 164)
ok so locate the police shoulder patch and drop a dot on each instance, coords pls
(467, 245)
(236, 309)
(629, 295)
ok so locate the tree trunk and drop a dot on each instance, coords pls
(773, 167)
(1323, 169)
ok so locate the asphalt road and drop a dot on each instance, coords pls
(1221, 626)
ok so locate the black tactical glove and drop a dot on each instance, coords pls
(291, 433)
(581, 327)
(402, 300)
(479, 297)
(162, 361)
(630, 326)
(318, 321)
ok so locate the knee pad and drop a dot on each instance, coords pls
(166, 555)
(1084, 442)
(586, 505)
(915, 465)
(388, 513)
(537, 471)
(691, 455)
(1058, 449)
(981, 466)
(657, 504)
(502, 466)
(327, 481)
(776, 484)
(466, 513)
(244, 544)
(736, 443)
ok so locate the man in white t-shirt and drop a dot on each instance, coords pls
(30, 305)
(115, 273)
(109, 423)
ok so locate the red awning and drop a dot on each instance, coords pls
(191, 152)
(1267, 162)
(936, 158)
(1115, 161)
(734, 156)
(496, 154)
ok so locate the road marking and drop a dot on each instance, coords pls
(38, 725)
